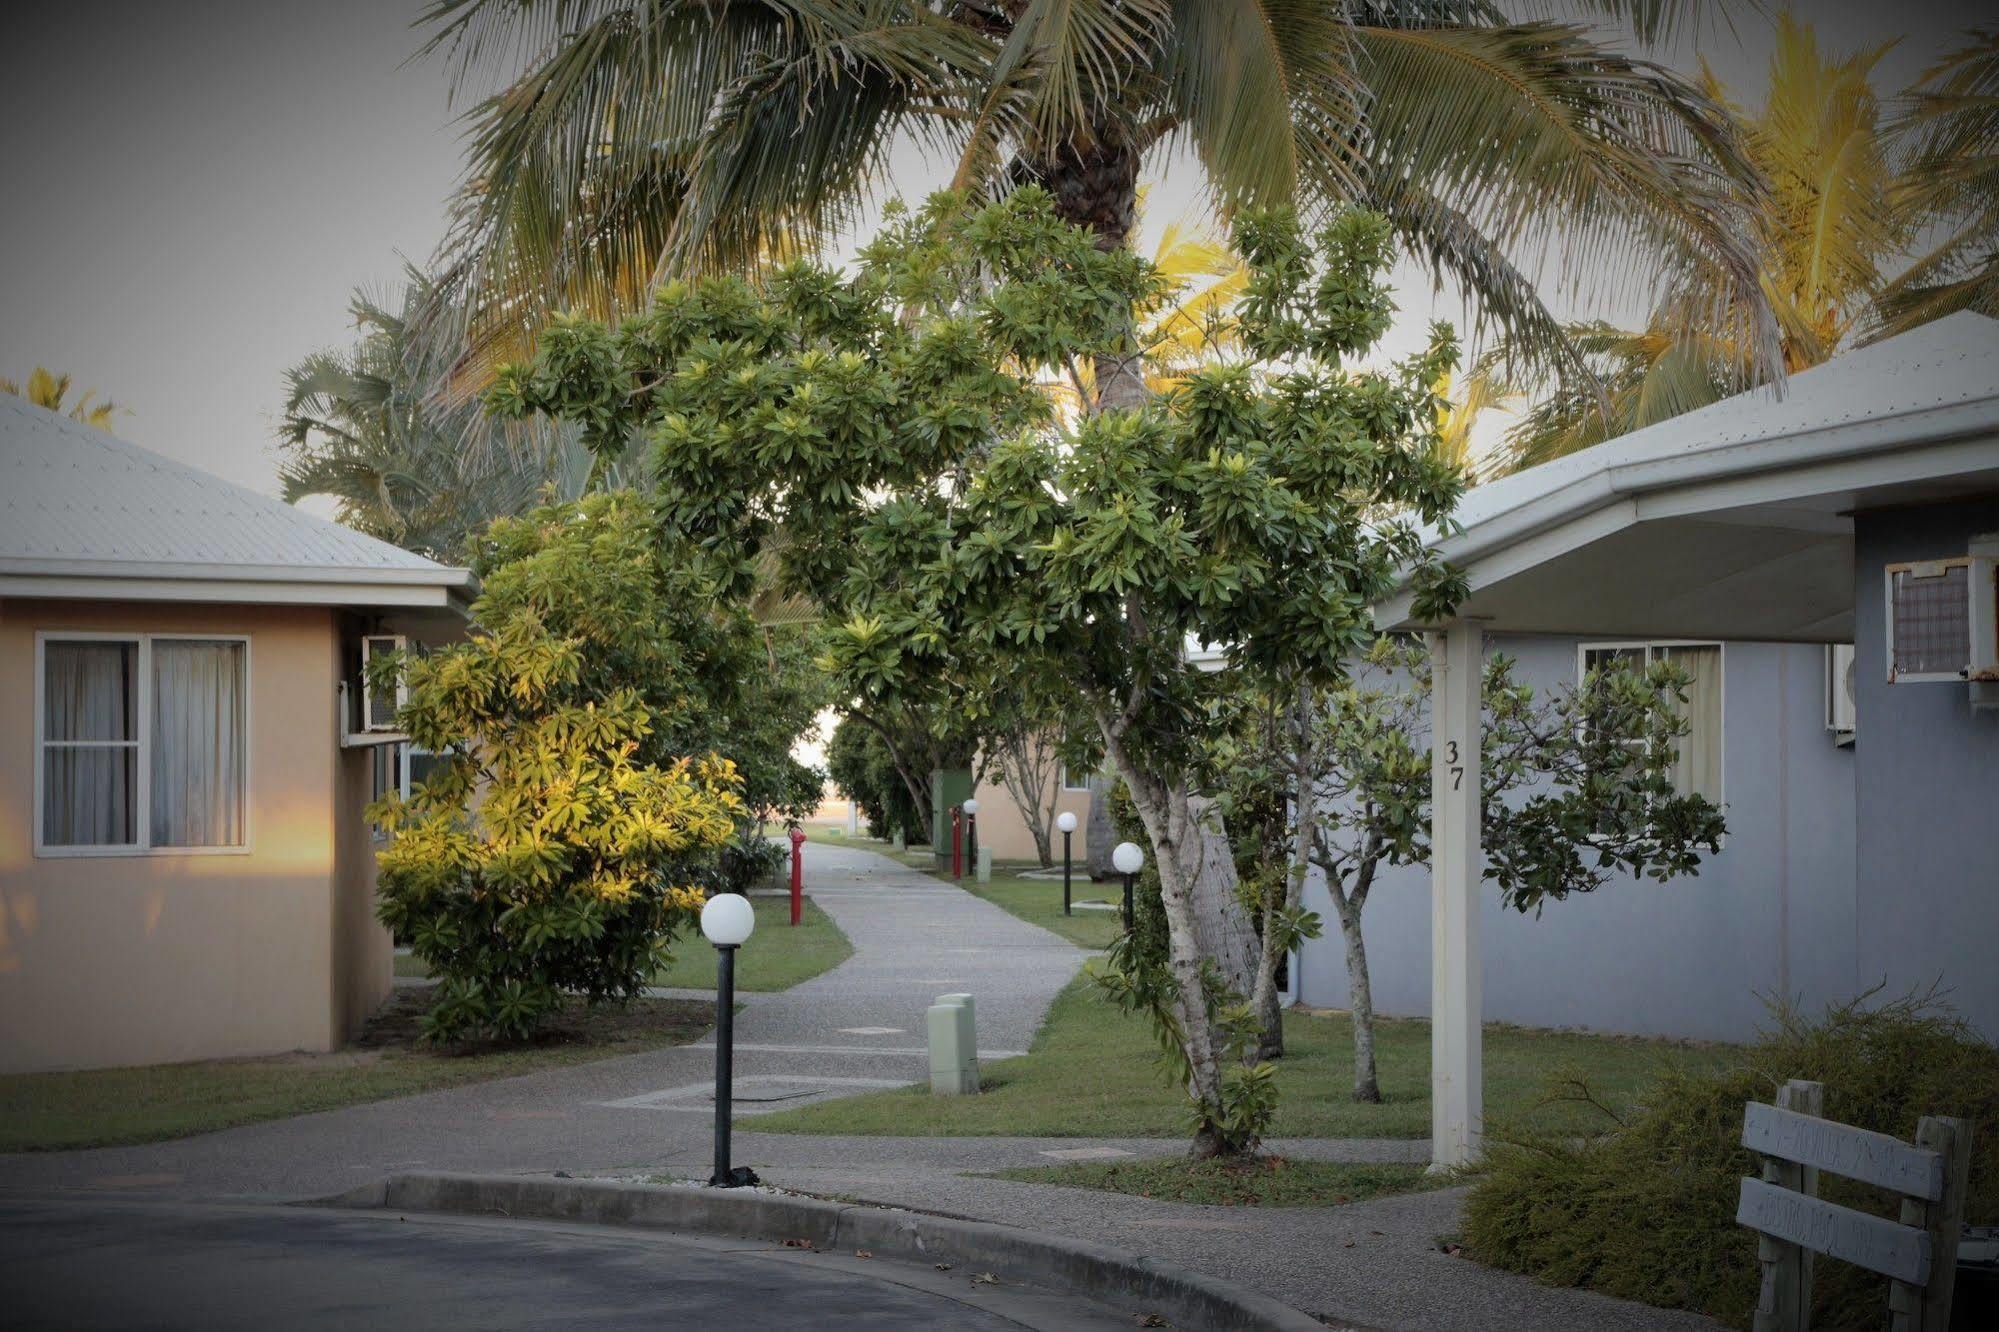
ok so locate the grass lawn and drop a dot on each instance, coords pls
(1093, 1072)
(1268, 1181)
(777, 956)
(108, 1107)
(1040, 901)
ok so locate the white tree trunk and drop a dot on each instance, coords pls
(1222, 925)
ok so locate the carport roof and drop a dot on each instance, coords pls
(1735, 521)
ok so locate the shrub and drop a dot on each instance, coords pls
(561, 841)
(1646, 1211)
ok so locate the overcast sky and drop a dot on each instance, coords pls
(195, 188)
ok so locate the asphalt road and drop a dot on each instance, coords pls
(99, 1263)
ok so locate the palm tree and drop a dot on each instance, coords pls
(368, 427)
(1844, 204)
(49, 390)
(1953, 115)
(652, 136)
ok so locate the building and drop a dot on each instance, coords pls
(1004, 829)
(185, 868)
(1860, 506)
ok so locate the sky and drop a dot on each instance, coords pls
(195, 189)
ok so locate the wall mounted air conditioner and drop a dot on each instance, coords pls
(1943, 621)
(1842, 711)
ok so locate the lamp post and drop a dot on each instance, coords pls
(726, 921)
(971, 808)
(1067, 823)
(1127, 860)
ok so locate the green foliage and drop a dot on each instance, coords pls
(859, 762)
(881, 438)
(562, 841)
(1646, 1209)
(1576, 787)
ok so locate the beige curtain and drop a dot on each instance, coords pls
(90, 743)
(1697, 770)
(197, 760)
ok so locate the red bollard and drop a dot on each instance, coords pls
(797, 873)
(957, 844)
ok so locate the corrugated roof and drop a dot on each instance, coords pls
(1952, 362)
(76, 499)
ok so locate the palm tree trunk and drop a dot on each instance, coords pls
(1095, 187)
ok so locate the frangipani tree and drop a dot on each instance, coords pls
(889, 423)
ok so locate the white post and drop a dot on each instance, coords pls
(1457, 662)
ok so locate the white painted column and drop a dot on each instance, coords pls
(1457, 866)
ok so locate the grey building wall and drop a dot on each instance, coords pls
(1773, 912)
(1928, 789)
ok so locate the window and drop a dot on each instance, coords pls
(142, 743)
(397, 767)
(1070, 783)
(1697, 768)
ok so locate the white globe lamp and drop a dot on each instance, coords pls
(1127, 858)
(1065, 822)
(727, 919)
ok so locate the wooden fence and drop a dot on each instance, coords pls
(1918, 1253)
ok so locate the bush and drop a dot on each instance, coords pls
(1646, 1211)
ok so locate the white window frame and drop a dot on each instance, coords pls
(142, 777)
(1888, 620)
(1064, 783)
(1648, 645)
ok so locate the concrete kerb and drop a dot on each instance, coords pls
(1184, 1299)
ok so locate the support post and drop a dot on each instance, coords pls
(1065, 873)
(797, 874)
(1785, 1302)
(1927, 1308)
(725, 1176)
(1457, 662)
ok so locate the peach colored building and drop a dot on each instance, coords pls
(1005, 830)
(185, 868)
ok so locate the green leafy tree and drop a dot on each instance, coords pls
(568, 831)
(637, 139)
(1952, 180)
(1575, 787)
(889, 424)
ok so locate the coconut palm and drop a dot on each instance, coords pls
(1952, 114)
(368, 427)
(1833, 221)
(652, 136)
(50, 390)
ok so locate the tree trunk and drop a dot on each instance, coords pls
(1360, 998)
(1222, 925)
(1095, 187)
(1099, 835)
(1305, 795)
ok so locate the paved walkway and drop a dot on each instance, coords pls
(857, 1027)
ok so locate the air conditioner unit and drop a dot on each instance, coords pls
(1842, 711)
(1982, 620)
(379, 706)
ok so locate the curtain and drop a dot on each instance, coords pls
(1697, 770)
(197, 759)
(90, 743)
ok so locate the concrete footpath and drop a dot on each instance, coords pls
(855, 1028)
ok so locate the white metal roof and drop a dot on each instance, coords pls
(86, 514)
(1735, 520)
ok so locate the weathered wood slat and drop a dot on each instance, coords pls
(1894, 1250)
(1856, 1153)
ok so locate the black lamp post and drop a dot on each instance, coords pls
(726, 920)
(1067, 823)
(1127, 860)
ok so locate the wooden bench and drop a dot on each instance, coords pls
(1918, 1253)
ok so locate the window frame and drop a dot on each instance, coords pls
(1063, 787)
(1649, 646)
(142, 777)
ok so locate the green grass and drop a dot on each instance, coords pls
(1039, 901)
(1093, 1072)
(114, 1106)
(1268, 1181)
(777, 957)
